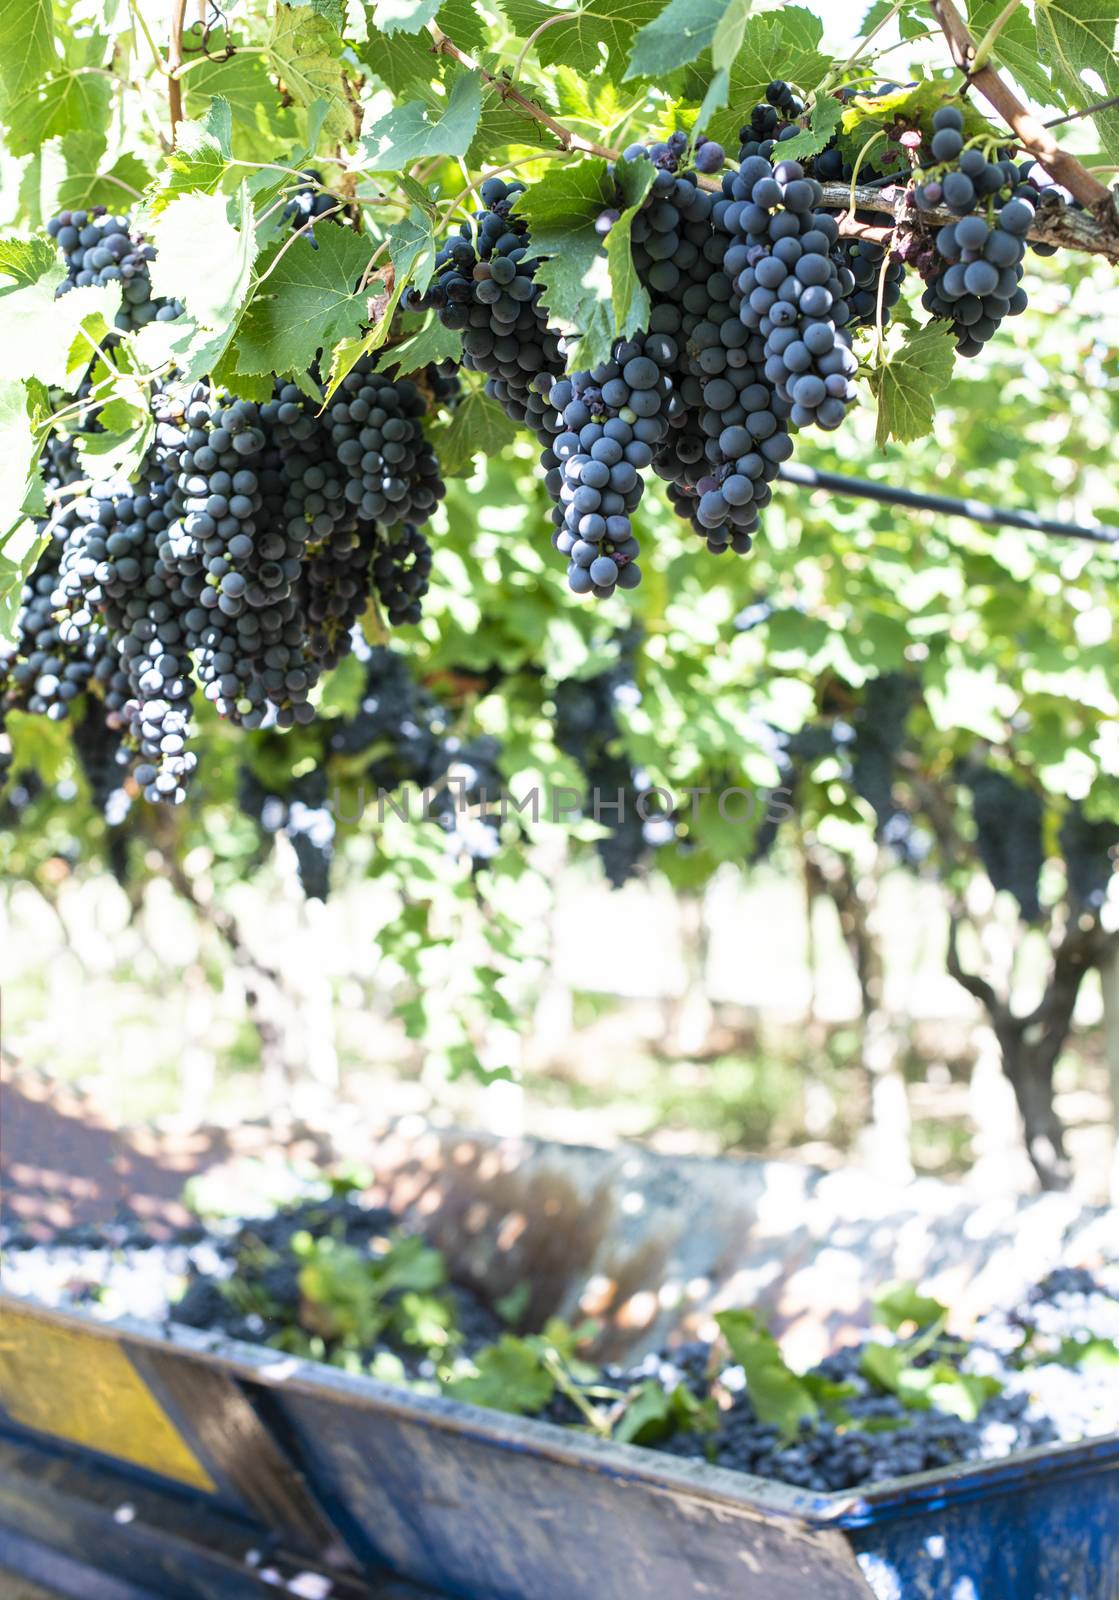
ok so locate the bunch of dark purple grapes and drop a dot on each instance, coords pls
(974, 272)
(100, 248)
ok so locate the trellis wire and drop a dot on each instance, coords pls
(974, 510)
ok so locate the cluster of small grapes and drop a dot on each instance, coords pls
(303, 816)
(974, 273)
(587, 729)
(243, 554)
(375, 429)
(103, 759)
(238, 564)
(407, 736)
(309, 202)
(610, 419)
(1091, 854)
(1009, 838)
(402, 573)
(792, 290)
(55, 655)
(484, 287)
(713, 378)
(119, 572)
(100, 248)
(774, 121)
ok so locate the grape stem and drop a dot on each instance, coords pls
(509, 91)
(987, 43)
(1031, 134)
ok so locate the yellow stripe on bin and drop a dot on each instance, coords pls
(81, 1387)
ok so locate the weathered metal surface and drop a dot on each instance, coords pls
(63, 1380)
(1043, 1526)
(211, 1407)
(481, 1506)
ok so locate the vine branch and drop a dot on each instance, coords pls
(1055, 224)
(987, 43)
(174, 64)
(509, 91)
(1030, 133)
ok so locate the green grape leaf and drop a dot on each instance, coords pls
(19, 552)
(630, 300)
(680, 33)
(88, 183)
(509, 1376)
(39, 331)
(462, 22)
(906, 383)
(65, 103)
(263, 125)
(885, 1365)
(652, 1414)
(912, 18)
(566, 198)
(18, 450)
(822, 123)
(647, 1412)
(962, 1394)
(402, 62)
(203, 259)
(306, 53)
(27, 53)
(1016, 48)
(200, 159)
(504, 123)
(403, 16)
(900, 1303)
(433, 342)
(331, 11)
(1075, 37)
(38, 745)
(715, 98)
(408, 133)
(128, 428)
(730, 35)
(561, 210)
(26, 260)
(589, 29)
(476, 426)
(866, 117)
(305, 304)
(776, 1393)
(411, 246)
(776, 44)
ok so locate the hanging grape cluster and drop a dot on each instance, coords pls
(237, 560)
(974, 273)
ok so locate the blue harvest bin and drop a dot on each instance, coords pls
(371, 1485)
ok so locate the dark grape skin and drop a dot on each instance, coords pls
(100, 248)
(236, 556)
(484, 287)
(974, 271)
(607, 422)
